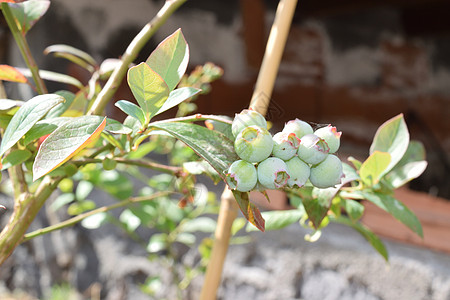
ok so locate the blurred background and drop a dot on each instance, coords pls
(351, 63)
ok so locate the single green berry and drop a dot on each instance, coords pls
(253, 144)
(328, 173)
(109, 164)
(331, 136)
(312, 149)
(273, 173)
(299, 127)
(298, 172)
(70, 169)
(246, 118)
(242, 176)
(285, 145)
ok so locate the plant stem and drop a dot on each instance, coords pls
(26, 207)
(24, 48)
(134, 162)
(83, 216)
(130, 55)
(260, 103)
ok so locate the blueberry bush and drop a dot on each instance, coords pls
(61, 142)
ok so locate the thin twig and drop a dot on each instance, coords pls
(83, 216)
(134, 162)
(24, 48)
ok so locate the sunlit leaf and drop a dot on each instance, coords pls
(411, 166)
(27, 115)
(176, 97)
(59, 109)
(54, 76)
(397, 209)
(149, 89)
(392, 137)
(8, 73)
(170, 59)
(65, 142)
(374, 167)
(73, 54)
(95, 221)
(115, 127)
(27, 13)
(131, 109)
(199, 224)
(376, 243)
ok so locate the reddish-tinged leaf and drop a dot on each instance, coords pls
(8, 73)
(27, 13)
(65, 142)
(170, 59)
(250, 211)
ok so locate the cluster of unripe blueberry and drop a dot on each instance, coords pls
(287, 159)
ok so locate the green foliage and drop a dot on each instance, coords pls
(84, 151)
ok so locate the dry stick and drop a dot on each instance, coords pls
(260, 102)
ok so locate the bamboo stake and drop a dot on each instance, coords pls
(260, 103)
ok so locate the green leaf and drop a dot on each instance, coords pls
(115, 127)
(278, 219)
(132, 110)
(411, 166)
(212, 146)
(250, 211)
(43, 127)
(374, 167)
(130, 220)
(95, 221)
(376, 243)
(59, 109)
(397, 209)
(27, 13)
(72, 54)
(356, 163)
(149, 89)
(202, 167)
(350, 173)
(353, 208)
(199, 224)
(83, 190)
(15, 157)
(54, 76)
(222, 127)
(65, 142)
(8, 73)
(170, 59)
(176, 97)
(157, 242)
(317, 206)
(27, 115)
(392, 137)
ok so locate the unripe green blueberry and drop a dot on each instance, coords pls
(253, 144)
(242, 176)
(299, 127)
(109, 164)
(312, 149)
(328, 173)
(298, 172)
(285, 145)
(331, 136)
(247, 118)
(272, 173)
